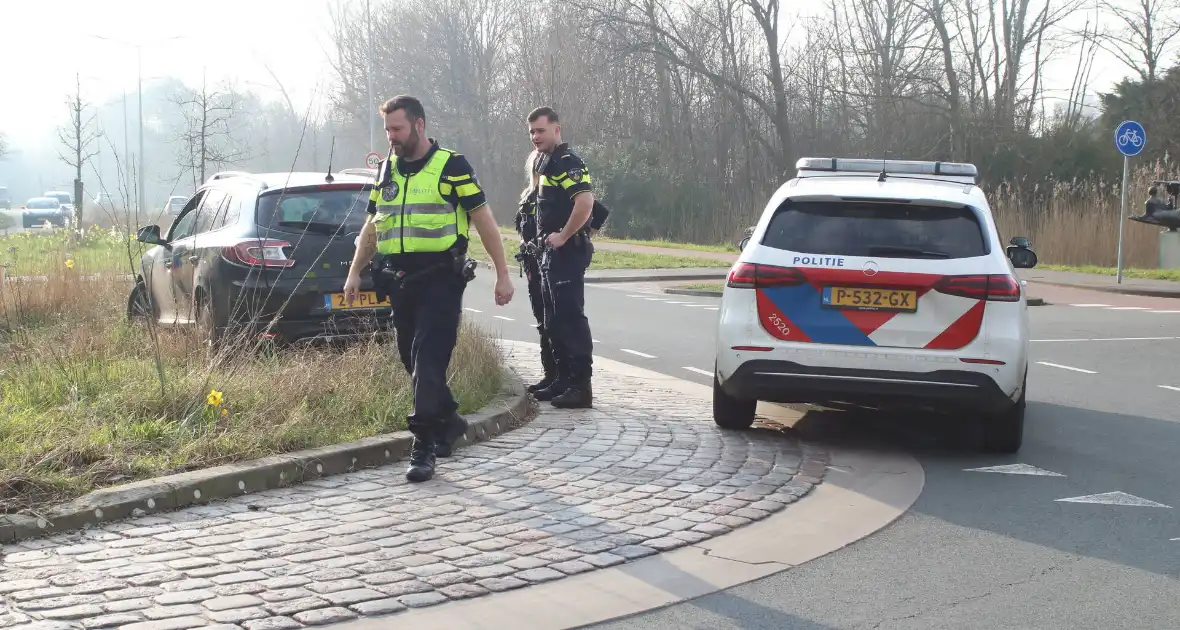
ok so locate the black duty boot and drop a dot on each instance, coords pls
(542, 384)
(452, 428)
(554, 389)
(422, 453)
(577, 396)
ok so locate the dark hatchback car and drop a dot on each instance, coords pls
(262, 253)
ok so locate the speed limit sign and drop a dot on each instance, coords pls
(373, 160)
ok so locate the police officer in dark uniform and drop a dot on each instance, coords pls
(530, 262)
(565, 202)
(420, 211)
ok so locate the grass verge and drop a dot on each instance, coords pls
(703, 286)
(89, 400)
(1148, 274)
(610, 259)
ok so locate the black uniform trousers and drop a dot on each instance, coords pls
(532, 272)
(563, 290)
(426, 314)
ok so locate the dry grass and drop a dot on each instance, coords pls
(1077, 223)
(88, 399)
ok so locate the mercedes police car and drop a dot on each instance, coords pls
(877, 282)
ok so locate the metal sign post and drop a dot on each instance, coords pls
(1129, 139)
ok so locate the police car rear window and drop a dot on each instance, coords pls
(880, 230)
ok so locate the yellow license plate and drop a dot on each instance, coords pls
(871, 299)
(365, 299)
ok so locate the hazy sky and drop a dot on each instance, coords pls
(46, 41)
(58, 38)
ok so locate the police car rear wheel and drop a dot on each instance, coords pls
(730, 412)
(1004, 432)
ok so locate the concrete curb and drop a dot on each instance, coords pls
(1160, 293)
(221, 482)
(1032, 301)
(696, 292)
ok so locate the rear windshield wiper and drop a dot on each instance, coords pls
(885, 250)
(315, 226)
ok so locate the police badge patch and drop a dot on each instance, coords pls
(389, 192)
(575, 174)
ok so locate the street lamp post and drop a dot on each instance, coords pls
(372, 113)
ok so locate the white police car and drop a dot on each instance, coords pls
(873, 282)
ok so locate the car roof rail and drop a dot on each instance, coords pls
(359, 171)
(227, 174)
(958, 172)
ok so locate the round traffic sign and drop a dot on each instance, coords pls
(373, 160)
(1130, 138)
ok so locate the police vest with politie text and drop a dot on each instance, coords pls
(421, 216)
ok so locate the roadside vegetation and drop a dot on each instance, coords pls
(703, 286)
(611, 259)
(89, 399)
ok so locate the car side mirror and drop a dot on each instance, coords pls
(1022, 256)
(150, 234)
(742, 245)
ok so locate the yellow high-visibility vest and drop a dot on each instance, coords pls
(412, 214)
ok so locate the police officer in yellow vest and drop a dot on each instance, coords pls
(420, 211)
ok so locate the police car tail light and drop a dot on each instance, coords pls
(753, 275)
(259, 253)
(995, 288)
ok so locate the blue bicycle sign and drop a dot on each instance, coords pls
(1130, 138)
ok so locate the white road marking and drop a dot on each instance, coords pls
(688, 303)
(1115, 498)
(638, 296)
(638, 353)
(1066, 367)
(1175, 389)
(595, 341)
(1175, 539)
(698, 371)
(507, 319)
(652, 299)
(1089, 305)
(1112, 339)
(1163, 312)
(1127, 308)
(473, 310)
(1016, 469)
(710, 308)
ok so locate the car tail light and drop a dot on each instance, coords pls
(753, 275)
(259, 253)
(996, 288)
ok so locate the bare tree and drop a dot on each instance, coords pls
(78, 138)
(211, 121)
(4, 150)
(1141, 33)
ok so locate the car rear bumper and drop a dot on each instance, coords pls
(301, 316)
(790, 382)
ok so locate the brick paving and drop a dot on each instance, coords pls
(646, 471)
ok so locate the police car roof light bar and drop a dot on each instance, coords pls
(896, 167)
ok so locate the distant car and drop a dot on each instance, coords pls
(249, 247)
(174, 204)
(878, 282)
(5, 199)
(39, 210)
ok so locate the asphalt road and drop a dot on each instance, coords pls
(978, 549)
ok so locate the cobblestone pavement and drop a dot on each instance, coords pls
(644, 472)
